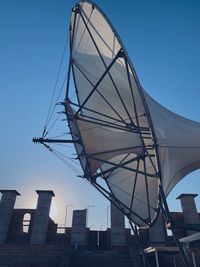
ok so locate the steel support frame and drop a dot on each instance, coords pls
(107, 71)
(109, 195)
(116, 202)
(95, 88)
(139, 249)
(100, 55)
(104, 115)
(167, 216)
(117, 166)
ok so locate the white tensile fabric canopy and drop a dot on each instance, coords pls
(126, 137)
(178, 142)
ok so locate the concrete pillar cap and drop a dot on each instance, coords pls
(45, 191)
(186, 195)
(10, 191)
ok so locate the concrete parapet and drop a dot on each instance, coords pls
(189, 209)
(6, 210)
(41, 218)
(118, 235)
(26, 255)
(157, 232)
(78, 234)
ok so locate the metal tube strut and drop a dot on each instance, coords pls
(47, 140)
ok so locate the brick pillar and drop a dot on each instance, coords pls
(157, 232)
(118, 235)
(189, 209)
(41, 217)
(78, 234)
(6, 210)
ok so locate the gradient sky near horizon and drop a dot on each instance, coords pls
(163, 40)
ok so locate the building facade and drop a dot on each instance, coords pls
(30, 236)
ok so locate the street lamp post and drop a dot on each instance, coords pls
(108, 209)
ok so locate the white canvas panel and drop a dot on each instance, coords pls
(112, 121)
(178, 142)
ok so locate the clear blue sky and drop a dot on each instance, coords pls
(163, 41)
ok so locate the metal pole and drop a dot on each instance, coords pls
(193, 259)
(108, 208)
(174, 260)
(49, 140)
(157, 260)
